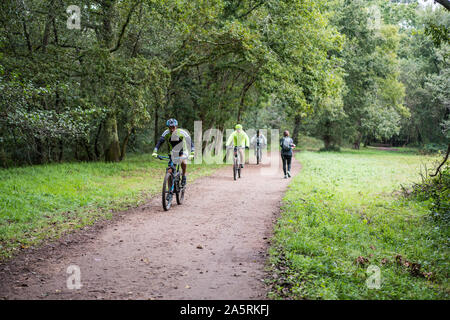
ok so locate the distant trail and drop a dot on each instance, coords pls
(214, 246)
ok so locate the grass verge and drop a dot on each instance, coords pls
(43, 202)
(343, 213)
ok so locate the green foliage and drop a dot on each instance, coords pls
(435, 191)
(140, 62)
(439, 33)
(343, 213)
(330, 148)
(425, 73)
(371, 106)
(433, 148)
(357, 71)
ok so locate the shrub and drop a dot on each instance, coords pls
(431, 148)
(436, 190)
(330, 148)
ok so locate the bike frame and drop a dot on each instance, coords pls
(236, 154)
(172, 169)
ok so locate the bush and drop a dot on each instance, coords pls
(330, 149)
(436, 190)
(431, 148)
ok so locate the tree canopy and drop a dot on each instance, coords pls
(344, 71)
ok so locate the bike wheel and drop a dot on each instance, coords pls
(239, 172)
(167, 194)
(234, 170)
(180, 194)
(257, 157)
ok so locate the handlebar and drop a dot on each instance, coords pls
(168, 158)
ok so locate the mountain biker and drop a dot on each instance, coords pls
(258, 138)
(286, 144)
(240, 139)
(174, 135)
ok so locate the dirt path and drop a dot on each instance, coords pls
(214, 246)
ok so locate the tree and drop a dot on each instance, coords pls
(373, 99)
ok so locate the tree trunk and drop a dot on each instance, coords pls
(359, 135)
(156, 132)
(112, 145)
(88, 151)
(61, 150)
(295, 133)
(40, 157)
(106, 28)
(247, 86)
(97, 152)
(327, 135)
(3, 157)
(51, 12)
(124, 145)
(357, 142)
(326, 142)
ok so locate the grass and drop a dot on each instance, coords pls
(343, 213)
(45, 201)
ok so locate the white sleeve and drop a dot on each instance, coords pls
(264, 139)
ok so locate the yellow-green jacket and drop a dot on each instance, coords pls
(239, 139)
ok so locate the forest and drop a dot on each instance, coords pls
(99, 80)
(362, 86)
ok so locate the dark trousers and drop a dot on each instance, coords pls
(286, 161)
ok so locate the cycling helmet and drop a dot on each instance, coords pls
(172, 123)
(238, 126)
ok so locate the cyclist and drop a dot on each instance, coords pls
(258, 140)
(174, 135)
(286, 144)
(239, 139)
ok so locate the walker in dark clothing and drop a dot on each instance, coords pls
(286, 154)
(286, 161)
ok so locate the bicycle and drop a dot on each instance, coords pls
(236, 162)
(172, 184)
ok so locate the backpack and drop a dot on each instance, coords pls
(285, 145)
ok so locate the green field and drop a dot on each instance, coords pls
(344, 212)
(42, 202)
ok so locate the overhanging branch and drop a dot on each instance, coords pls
(122, 31)
(445, 3)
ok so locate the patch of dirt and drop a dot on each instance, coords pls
(214, 246)
(386, 148)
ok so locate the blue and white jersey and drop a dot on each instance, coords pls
(173, 139)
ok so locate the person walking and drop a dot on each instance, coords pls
(258, 141)
(286, 144)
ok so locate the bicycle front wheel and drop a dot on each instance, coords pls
(180, 193)
(167, 192)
